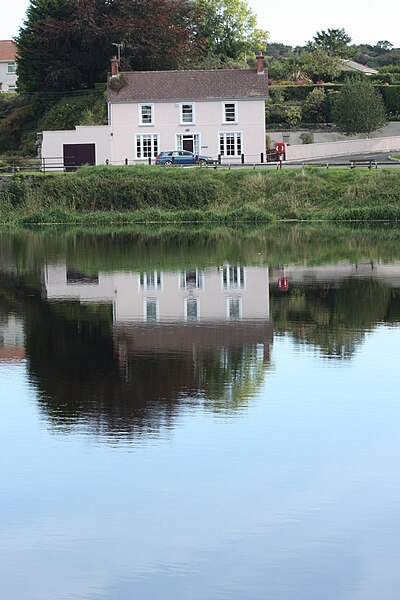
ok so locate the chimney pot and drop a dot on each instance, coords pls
(114, 66)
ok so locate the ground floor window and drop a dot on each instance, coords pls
(147, 145)
(233, 276)
(230, 144)
(152, 280)
(192, 279)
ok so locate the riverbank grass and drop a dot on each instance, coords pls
(144, 194)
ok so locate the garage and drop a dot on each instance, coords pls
(76, 155)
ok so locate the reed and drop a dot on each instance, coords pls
(106, 195)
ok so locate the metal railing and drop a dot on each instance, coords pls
(16, 164)
(13, 165)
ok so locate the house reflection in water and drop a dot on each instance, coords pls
(12, 338)
(193, 333)
(218, 306)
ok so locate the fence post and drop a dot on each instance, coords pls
(149, 160)
(262, 157)
(242, 159)
(126, 162)
(219, 159)
(107, 161)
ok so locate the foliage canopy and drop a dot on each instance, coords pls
(67, 44)
(359, 108)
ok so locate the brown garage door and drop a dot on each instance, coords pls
(76, 155)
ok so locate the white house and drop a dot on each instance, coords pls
(8, 66)
(214, 112)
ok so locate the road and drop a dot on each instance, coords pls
(381, 158)
(375, 157)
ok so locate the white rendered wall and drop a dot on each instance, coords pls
(7, 79)
(53, 141)
(326, 150)
(208, 124)
(123, 291)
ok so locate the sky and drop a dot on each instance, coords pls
(291, 22)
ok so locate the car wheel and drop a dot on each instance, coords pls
(202, 163)
(168, 163)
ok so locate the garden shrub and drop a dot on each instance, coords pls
(391, 98)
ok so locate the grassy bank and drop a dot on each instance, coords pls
(112, 195)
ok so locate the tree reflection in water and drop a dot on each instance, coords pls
(334, 317)
(111, 385)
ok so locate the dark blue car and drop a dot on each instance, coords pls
(182, 157)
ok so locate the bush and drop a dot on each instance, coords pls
(359, 108)
(383, 78)
(18, 120)
(391, 98)
(314, 108)
(75, 110)
(307, 137)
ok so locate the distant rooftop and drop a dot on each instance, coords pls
(352, 65)
(8, 50)
(191, 85)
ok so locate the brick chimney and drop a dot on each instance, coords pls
(114, 66)
(260, 63)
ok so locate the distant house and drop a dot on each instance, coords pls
(8, 66)
(214, 112)
(352, 65)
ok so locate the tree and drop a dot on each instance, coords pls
(383, 46)
(314, 108)
(359, 108)
(67, 44)
(334, 41)
(226, 31)
(320, 65)
(313, 66)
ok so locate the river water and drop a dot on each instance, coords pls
(200, 415)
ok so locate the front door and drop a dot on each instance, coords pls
(188, 143)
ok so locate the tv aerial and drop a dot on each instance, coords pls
(120, 47)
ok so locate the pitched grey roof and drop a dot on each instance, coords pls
(191, 85)
(352, 65)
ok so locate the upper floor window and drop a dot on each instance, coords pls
(146, 114)
(192, 309)
(230, 112)
(234, 308)
(187, 114)
(11, 68)
(151, 310)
